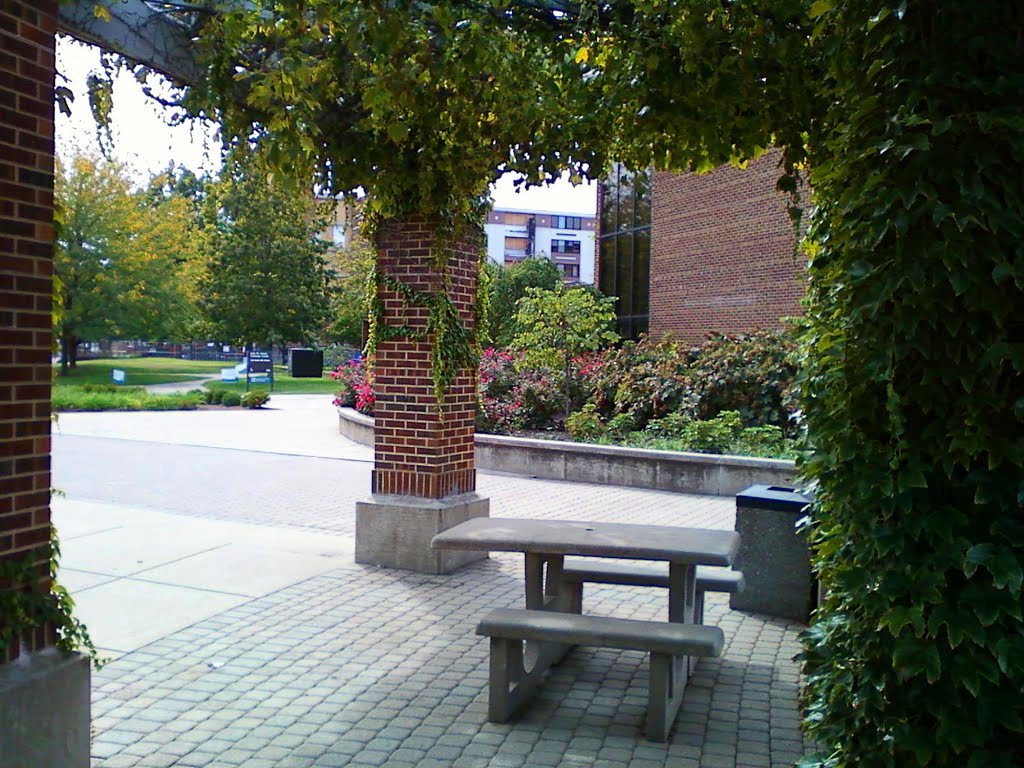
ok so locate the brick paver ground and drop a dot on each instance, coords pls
(375, 667)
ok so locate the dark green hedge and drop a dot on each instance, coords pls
(913, 387)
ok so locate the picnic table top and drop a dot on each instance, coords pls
(691, 546)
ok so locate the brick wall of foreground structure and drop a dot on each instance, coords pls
(722, 257)
(419, 451)
(27, 29)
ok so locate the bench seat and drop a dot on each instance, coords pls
(709, 579)
(511, 684)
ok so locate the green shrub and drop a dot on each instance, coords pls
(217, 395)
(751, 373)
(255, 399)
(585, 424)
(231, 399)
(647, 379)
(767, 441)
(129, 399)
(621, 424)
(715, 435)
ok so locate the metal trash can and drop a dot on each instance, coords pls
(305, 363)
(774, 557)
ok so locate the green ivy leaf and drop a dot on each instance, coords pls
(1000, 561)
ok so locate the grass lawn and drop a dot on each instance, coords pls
(138, 371)
(283, 384)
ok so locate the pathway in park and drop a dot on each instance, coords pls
(210, 554)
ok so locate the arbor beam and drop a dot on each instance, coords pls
(158, 35)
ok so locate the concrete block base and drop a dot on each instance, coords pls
(395, 531)
(44, 711)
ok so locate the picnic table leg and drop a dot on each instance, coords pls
(544, 582)
(682, 596)
(544, 593)
(535, 581)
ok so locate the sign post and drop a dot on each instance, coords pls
(260, 369)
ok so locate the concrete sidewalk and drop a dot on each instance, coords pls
(244, 635)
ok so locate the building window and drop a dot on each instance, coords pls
(625, 248)
(568, 222)
(517, 247)
(569, 271)
(565, 246)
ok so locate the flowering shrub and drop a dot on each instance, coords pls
(500, 410)
(641, 381)
(733, 393)
(356, 386)
(515, 395)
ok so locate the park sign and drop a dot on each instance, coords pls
(259, 369)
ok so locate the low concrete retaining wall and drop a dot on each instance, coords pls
(705, 473)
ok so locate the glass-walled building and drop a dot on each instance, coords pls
(625, 247)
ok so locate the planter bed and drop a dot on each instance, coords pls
(704, 473)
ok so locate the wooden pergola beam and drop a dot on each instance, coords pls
(160, 35)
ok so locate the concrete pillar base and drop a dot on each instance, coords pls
(44, 709)
(395, 531)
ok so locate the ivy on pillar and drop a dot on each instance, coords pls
(424, 477)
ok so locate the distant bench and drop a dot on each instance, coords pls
(709, 579)
(511, 685)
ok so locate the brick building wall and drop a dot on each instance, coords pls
(722, 256)
(418, 450)
(27, 29)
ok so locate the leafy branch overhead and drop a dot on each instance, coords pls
(417, 103)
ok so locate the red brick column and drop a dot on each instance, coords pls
(419, 450)
(424, 475)
(27, 29)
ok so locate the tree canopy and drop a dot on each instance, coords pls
(125, 269)
(268, 282)
(417, 103)
(508, 285)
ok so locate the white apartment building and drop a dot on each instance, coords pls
(567, 239)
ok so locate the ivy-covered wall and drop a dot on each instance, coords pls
(913, 385)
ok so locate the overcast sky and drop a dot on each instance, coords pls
(146, 142)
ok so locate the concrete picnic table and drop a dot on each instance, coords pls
(546, 543)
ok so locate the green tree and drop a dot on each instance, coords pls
(556, 326)
(507, 286)
(125, 269)
(352, 266)
(268, 281)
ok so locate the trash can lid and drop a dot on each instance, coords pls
(772, 497)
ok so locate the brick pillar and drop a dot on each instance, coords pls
(424, 476)
(27, 29)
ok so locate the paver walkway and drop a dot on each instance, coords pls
(213, 558)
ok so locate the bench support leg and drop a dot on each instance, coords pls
(511, 685)
(665, 694)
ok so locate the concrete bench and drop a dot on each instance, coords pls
(709, 579)
(511, 684)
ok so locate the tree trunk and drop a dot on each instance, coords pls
(68, 352)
